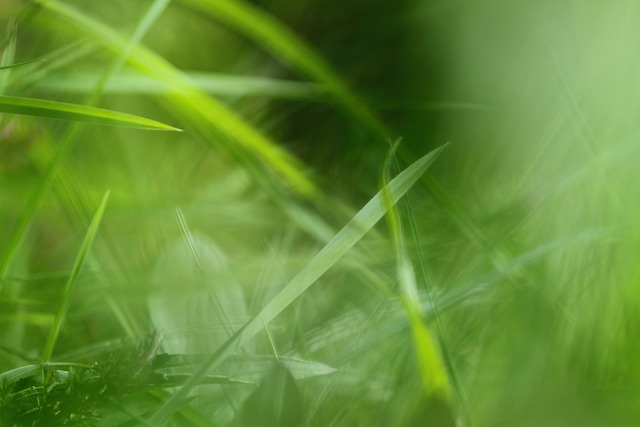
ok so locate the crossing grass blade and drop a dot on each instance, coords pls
(210, 116)
(439, 386)
(341, 243)
(67, 139)
(282, 42)
(75, 112)
(433, 372)
(71, 282)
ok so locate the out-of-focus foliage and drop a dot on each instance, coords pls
(504, 293)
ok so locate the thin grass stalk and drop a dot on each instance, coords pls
(70, 287)
(434, 376)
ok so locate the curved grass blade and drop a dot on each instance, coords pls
(76, 112)
(66, 142)
(341, 243)
(212, 117)
(71, 282)
(442, 393)
(268, 32)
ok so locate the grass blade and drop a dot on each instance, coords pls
(71, 282)
(341, 243)
(268, 32)
(75, 112)
(434, 374)
(67, 140)
(20, 64)
(211, 83)
(214, 119)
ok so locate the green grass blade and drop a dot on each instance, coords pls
(66, 142)
(20, 64)
(213, 118)
(75, 112)
(341, 243)
(211, 83)
(71, 282)
(433, 371)
(268, 32)
(265, 30)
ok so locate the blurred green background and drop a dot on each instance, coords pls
(523, 234)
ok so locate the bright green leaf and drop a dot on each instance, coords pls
(74, 112)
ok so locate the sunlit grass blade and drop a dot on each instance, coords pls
(212, 117)
(268, 32)
(67, 140)
(433, 371)
(76, 112)
(26, 216)
(212, 83)
(241, 368)
(341, 243)
(69, 290)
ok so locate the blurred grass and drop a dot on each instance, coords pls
(69, 289)
(524, 238)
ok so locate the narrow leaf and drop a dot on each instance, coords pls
(214, 118)
(433, 372)
(75, 112)
(71, 282)
(346, 238)
(211, 83)
(277, 38)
